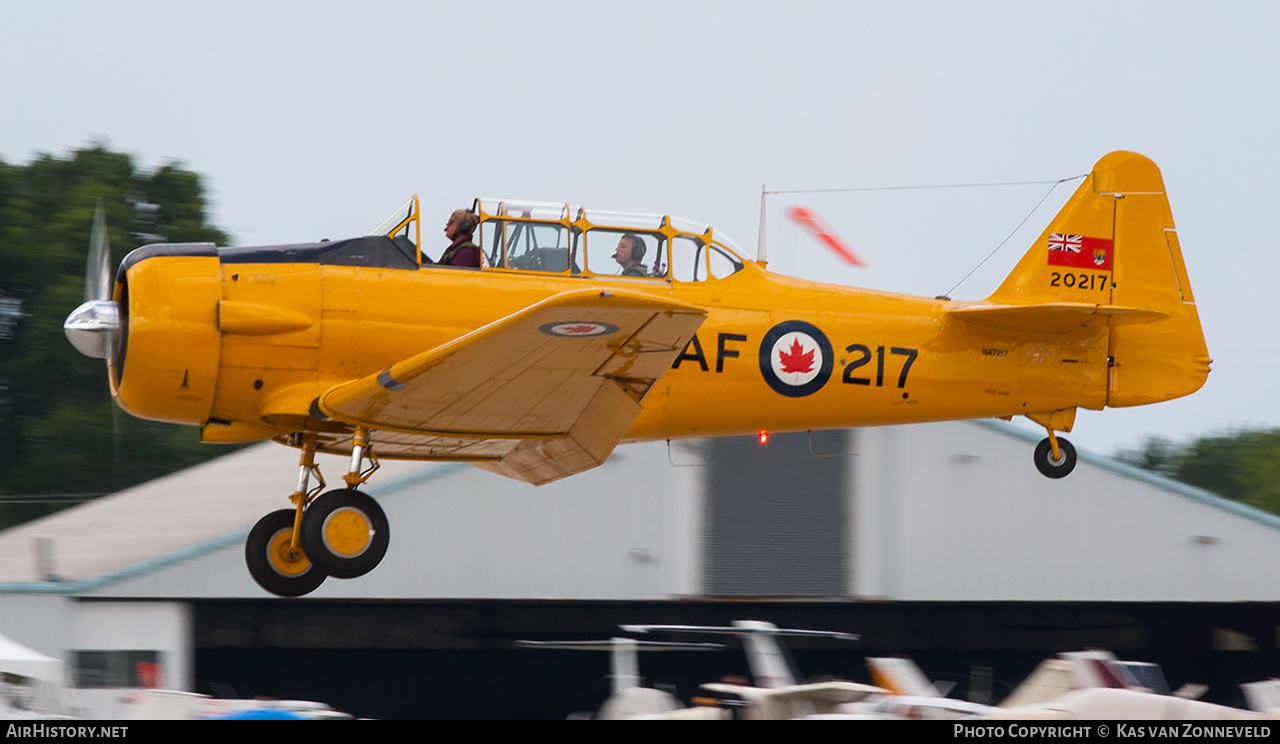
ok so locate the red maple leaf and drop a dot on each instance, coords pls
(798, 360)
(577, 330)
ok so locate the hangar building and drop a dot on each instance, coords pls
(941, 541)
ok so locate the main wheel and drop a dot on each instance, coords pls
(272, 564)
(1050, 467)
(345, 533)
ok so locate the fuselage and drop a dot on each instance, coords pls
(537, 361)
(243, 341)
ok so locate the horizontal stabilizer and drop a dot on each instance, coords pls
(1053, 317)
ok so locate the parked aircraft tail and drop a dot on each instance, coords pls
(1111, 258)
(901, 676)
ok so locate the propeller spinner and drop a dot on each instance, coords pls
(94, 327)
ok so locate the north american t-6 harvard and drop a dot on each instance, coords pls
(539, 361)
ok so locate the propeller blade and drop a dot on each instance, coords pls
(117, 427)
(97, 274)
(809, 219)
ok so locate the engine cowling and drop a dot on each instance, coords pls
(167, 366)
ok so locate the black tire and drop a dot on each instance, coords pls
(345, 533)
(1050, 468)
(270, 564)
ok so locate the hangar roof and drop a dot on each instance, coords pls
(168, 518)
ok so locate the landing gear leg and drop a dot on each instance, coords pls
(274, 552)
(344, 531)
(1055, 458)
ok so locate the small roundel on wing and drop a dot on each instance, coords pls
(795, 358)
(578, 329)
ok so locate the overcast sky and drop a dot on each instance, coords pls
(314, 119)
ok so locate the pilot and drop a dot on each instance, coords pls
(461, 252)
(629, 254)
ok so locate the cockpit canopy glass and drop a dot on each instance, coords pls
(530, 246)
(564, 239)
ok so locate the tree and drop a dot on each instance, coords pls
(59, 431)
(1241, 465)
(1157, 454)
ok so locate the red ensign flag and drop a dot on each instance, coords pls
(1079, 251)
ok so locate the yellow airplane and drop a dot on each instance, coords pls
(539, 363)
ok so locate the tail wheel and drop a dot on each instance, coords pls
(273, 564)
(345, 533)
(1050, 467)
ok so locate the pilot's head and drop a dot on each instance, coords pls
(461, 223)
(630, 251)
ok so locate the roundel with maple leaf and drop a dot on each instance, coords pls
(795, 358)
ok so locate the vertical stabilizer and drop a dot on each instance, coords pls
(769, 666)
(901, 676)
(1114, 246)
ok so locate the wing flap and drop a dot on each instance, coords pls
(587, 444)
(545, 392)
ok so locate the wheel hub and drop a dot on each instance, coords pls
(286, 560)
(347, 532)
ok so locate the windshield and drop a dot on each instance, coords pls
(403, 228)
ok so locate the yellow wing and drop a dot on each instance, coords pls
(543, 393)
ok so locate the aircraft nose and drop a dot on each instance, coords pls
(94, 328)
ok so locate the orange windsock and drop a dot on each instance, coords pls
(810, 220)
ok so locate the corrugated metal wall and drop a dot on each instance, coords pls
(776, 521)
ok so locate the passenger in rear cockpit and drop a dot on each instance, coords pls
(462, 251)
(629, 254)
